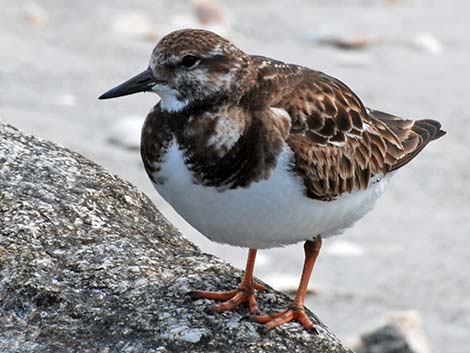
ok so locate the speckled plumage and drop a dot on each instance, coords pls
(231, 135)
(338, 144)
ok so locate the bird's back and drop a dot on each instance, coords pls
(339, 145)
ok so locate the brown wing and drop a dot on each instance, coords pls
(338, 144)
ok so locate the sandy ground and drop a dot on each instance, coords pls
(411, 252)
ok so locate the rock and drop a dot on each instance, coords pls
(426, 42)
(34, 14)
(402, 333)
(88, 264)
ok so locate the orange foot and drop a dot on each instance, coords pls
(292, 313)
(233, 298)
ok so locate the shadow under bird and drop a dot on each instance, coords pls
(257, 153)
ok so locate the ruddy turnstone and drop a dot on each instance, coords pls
(257, 153)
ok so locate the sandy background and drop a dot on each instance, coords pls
(412, 252)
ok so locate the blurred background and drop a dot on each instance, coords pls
(407, 57)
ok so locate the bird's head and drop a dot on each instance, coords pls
(188, 66)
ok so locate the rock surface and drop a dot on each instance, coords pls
(88, 264)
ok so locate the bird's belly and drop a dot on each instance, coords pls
(268, 213)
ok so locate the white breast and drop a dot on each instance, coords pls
(268, 213)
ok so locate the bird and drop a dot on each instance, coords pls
(258, 153)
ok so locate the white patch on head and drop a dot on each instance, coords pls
(201, 77)
(170, 101)
(213, 83)
(268, 213)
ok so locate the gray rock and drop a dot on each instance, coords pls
(401, 333)
(88, 264)
(386, 339)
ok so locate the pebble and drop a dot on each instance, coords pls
(135, 24)
(427, 42)
(208, 11)
(344, 41)
(35, 15)
(352, 43)
(126, 132)
(207, 14)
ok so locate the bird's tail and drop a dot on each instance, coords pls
(413, 134)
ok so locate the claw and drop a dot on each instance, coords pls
(214, 295)
(233, 298)
(278, 319)
(259, 287)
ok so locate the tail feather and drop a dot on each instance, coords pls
(414, 135)
(432, 126)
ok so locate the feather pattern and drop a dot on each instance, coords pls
(232, 134)
(339, 145)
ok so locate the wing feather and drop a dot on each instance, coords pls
(338, 144)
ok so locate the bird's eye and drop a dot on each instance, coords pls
(189, 61)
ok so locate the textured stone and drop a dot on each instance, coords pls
(88, 264)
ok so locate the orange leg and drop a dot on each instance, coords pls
(244, 293)
(296, 310)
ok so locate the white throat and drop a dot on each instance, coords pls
(170, 101)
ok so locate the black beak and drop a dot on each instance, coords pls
(143, 82)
